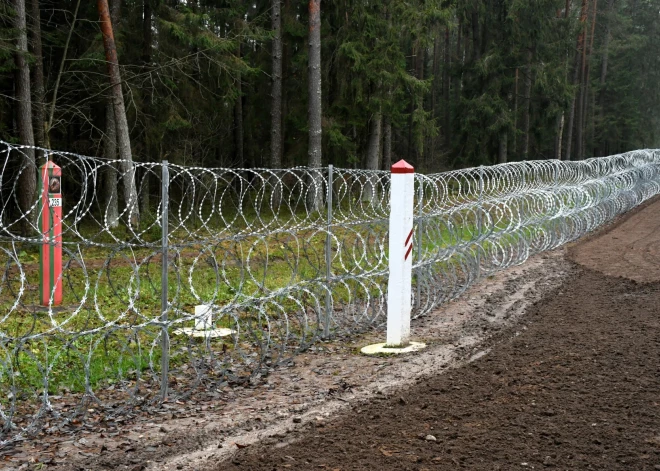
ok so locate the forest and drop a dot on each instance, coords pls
(354, 83)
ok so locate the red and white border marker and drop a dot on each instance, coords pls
(399, 286)
(402, 194)
(50, 225)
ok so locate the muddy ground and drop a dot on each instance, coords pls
(574, 385)
(550, 365)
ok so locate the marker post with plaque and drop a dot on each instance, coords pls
(50, 224)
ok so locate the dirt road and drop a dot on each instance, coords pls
(630, 249)
(574, 385)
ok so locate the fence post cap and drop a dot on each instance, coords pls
(50, 164)
(402, 167)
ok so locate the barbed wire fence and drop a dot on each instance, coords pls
(279, 258)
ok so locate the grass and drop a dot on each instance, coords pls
(71, 363)
(275, 283)
(97, 294)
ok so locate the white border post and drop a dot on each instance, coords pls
(203, 317)
(399, 287)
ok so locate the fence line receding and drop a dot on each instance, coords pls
(281, 258)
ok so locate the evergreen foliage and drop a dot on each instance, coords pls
(461, 83)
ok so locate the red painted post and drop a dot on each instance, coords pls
(50, 224)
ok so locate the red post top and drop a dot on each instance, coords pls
(50, 164)
(402, 167)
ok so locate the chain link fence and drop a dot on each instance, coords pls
(278, 258)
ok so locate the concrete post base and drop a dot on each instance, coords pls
(383, 349)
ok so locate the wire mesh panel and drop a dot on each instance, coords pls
(261, 251)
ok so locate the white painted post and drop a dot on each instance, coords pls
(399, 286)
(203, 317)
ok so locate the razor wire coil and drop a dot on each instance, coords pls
(275, 265)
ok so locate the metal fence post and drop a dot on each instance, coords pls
(165, 339)
(480, 217)
(420, 229)
(328, 258)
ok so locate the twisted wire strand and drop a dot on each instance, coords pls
(252, 245)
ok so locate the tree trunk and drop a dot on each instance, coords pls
(37, 77)
(387, 145)
(373, 154)
(571, 111)
(436, 83)
(238, 121)
(515, 114)
(109, 188)
(576, 78)
(28, 178)
(579, 135)
(460, 62)
(147, 38)
(276, 90)
(559, 127)
(604, 63)
(582, 50)
(592, 124)
(314, 195)
(419, 145)
(584, 87)
(411, 102)
(585, 111)
(606, 44)
(569, 130)
(147, 33)
(446, 123)
(502, 154)
(528, 104)
(51, 114)
(123, 138)
(276, 104)
(558, 135)
(147, 42)
(476, 44)
(286, 54)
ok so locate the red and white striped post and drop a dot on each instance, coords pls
(50, 224)
(400, 250)
(399, 286)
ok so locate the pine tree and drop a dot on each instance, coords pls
(314, 197)
(27, 180)
(121, 122)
